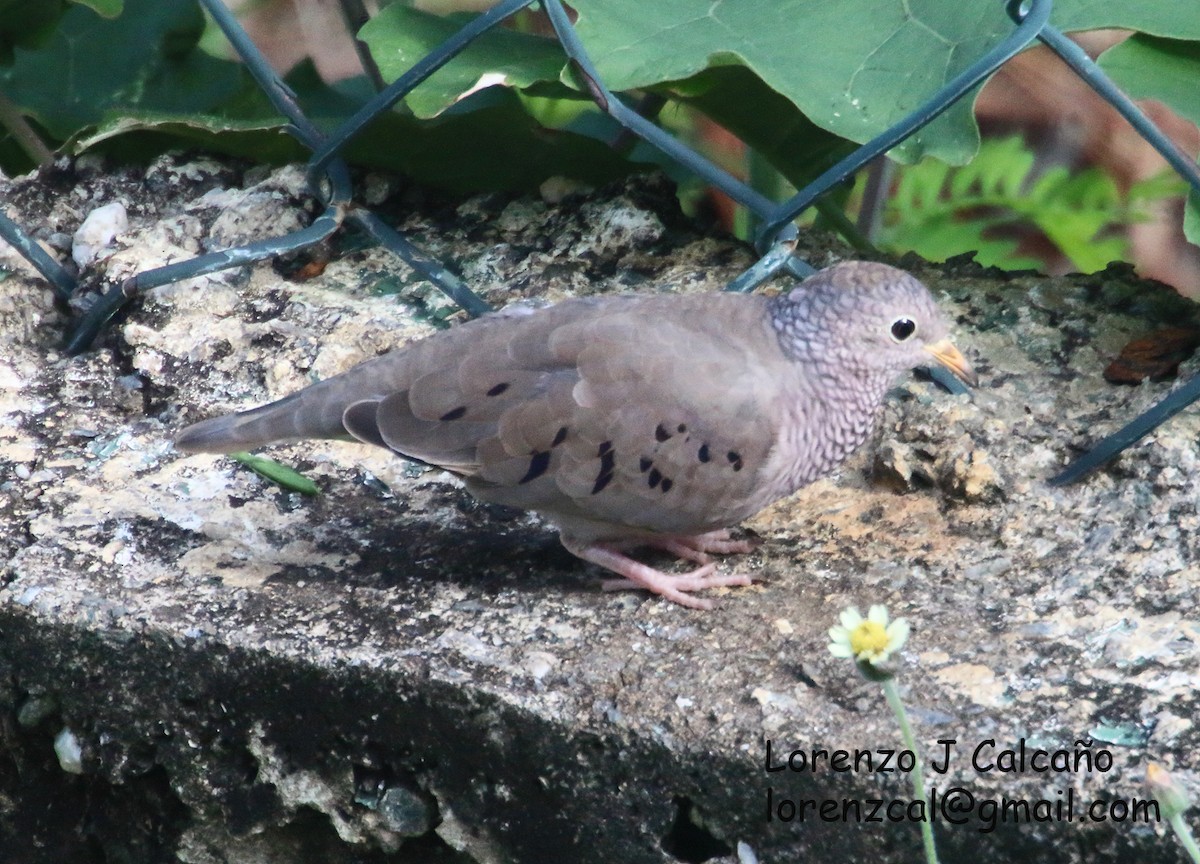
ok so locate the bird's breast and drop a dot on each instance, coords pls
(822, 424)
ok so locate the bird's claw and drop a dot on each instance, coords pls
(675, 587)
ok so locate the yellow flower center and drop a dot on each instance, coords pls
(868, 638)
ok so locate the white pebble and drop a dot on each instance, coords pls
(68, 751)
(95, 236)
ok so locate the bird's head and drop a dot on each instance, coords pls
(866, 319)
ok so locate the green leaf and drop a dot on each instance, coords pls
(920, 185)
(103, 8)
(1150, 67)
(739, 101)
(1191, 218)
(1122, 734)
(399, 36)
(854, 67)
(486, 142)
(138, 85)
(1164, 184)
(794, 78)
(288, 478)
(1002, 170)
(1159, 17)
(26, 24)
(145, 60)
(940, 237)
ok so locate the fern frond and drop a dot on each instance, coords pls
(939, 211)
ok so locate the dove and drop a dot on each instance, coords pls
(632, 421)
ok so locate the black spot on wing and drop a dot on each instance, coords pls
(538, 463)
(735, 459)
(704, 455)
(645, 464)
(608, 458)
(498, 389)
(660, 433)
(656, 480)
(454, 413)
(560, 437)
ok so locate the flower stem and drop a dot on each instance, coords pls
(1186, 840)
(918, 772)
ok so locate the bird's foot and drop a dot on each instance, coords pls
(697, 547)
(673, 586)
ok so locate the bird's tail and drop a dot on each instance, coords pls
(312, 413)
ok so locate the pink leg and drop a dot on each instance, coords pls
(637, 575)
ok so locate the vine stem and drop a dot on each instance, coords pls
(27, 139)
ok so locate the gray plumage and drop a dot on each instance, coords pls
(633, 420)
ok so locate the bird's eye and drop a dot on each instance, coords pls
(903, 328)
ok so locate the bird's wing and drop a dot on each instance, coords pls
(659, 415)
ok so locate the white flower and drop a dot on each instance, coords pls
(867, 640)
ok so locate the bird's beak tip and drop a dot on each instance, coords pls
(947, 354)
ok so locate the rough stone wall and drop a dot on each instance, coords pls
(199, 666)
